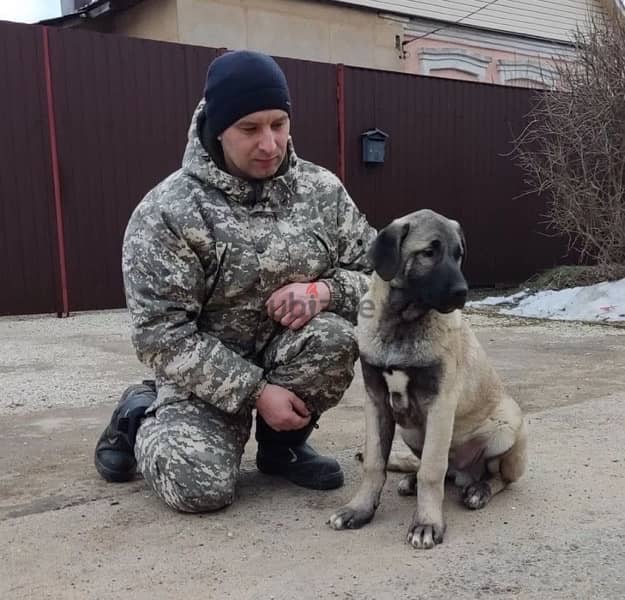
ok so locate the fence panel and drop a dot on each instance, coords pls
(448, 150)
(28, 270)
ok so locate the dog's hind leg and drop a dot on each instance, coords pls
(407, 485)
(514, 462)
(403, 462)
(501, 470)
(478, 494)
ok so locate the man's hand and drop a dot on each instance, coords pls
(282, 410)
(297, 303)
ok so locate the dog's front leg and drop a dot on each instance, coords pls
(380, 429)
(428, 526)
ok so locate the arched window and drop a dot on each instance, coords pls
(527, 74)
(453, 62)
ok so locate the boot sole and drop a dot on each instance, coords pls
(330, 481)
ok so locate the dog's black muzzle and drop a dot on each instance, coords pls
(443, 289)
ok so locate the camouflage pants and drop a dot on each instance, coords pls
(189, 452)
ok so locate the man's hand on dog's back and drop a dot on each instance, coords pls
(281, 409)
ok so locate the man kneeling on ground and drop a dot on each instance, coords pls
(243, 274)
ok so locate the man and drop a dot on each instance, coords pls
(243, 274)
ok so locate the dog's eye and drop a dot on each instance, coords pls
(458, 253)
(428, 252)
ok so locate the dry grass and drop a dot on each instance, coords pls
(560, 278)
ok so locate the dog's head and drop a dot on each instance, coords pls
(421, 255)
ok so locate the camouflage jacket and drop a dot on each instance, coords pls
(204, 250)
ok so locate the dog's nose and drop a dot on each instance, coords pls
(459, 295)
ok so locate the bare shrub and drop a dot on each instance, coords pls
(573, 149)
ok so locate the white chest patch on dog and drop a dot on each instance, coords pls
(397, 384)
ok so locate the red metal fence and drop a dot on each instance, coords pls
(449, 150)
(113, 121)
(28, 269)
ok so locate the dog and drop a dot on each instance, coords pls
(425, 372)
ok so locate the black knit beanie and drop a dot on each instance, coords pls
(240, 83)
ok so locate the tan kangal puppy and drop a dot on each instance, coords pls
(425, 372)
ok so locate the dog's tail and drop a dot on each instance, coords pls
(402, 462)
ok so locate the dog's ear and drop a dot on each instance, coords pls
(463, 241)
(464, 245)
(385, 252)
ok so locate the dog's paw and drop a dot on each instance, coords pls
(425, 535)
(407, 485)
(476, 495)
(350, 517)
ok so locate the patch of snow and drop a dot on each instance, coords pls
(495, 300)
(601, 302)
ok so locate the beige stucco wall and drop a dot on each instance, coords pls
(153, 19)
(292, 28)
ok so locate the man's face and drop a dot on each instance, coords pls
(255, 146)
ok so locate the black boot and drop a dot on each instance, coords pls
(286, 453)
(114, 452)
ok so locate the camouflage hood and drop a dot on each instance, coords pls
(198, 163)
